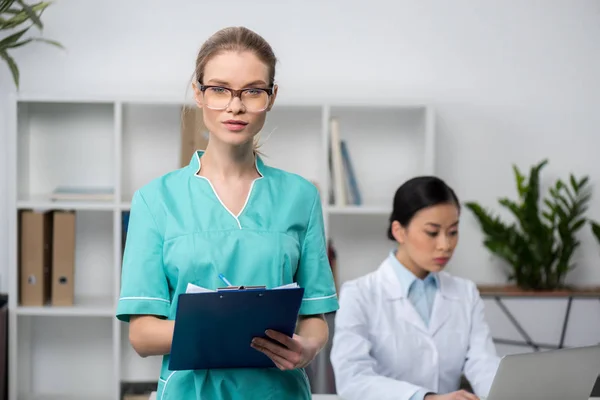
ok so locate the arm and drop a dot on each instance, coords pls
(355, 368)
(145, 299)
(481, 361)
(150, 336)
(315, 329)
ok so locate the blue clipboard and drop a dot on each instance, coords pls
(215, 329)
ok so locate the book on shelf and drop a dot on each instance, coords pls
(124, 227)
(344, 189)
(82, 193)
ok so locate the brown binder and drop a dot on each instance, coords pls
(63, 258)
(35, 257)
(194, 134)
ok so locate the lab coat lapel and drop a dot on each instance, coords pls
(445, 300)
(394, 292)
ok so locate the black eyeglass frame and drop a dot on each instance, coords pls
(236, 93)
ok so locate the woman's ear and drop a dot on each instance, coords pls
(399, 232)
(272, 99)
(197, 94)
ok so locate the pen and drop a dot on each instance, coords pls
(225, 280)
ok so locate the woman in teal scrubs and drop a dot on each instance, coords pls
(228, 213)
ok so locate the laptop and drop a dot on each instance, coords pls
(564, 374)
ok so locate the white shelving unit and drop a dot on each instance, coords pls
(82, 351)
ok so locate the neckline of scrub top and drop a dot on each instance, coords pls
(195, 165)
(407, 278)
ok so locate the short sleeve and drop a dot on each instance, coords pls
(144, 287)
(314, 271)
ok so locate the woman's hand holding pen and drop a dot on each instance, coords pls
(287, 352)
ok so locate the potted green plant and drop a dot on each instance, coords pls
(16, 19)
(539, 245)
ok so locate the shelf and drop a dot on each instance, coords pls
(69, 396)
(68, 356)
(64, 144)
(514, 291)
(127, 142)
(94, 270)
(41, 202)
(386, 147)
(358, 210)
(84, 307)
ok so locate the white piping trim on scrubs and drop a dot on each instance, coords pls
(320, 298)
(145, 298)
(162, 395)
(236, 217)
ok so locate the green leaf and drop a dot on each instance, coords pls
(596, 230)
(570, 195)
(20, 17)
(51, 42)
(577, 185)
(18, 44)
(512, 206)
(564, 203)
(7, 41)
(31, 14)
(520, 180)
(549, 217)
(5, 5)
(11, 23)
(29, 40)
(577, 225)
(12, 65)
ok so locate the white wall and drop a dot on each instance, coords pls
(513, 81)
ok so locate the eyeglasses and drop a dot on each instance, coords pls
(219, 97)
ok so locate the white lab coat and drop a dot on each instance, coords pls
(382, 349)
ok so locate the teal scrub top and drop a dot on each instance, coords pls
(180, 232)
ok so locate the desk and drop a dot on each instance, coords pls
(501, 294)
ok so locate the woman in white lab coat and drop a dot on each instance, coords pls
(408, 330)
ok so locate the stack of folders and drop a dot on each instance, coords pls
(47, 241)
(214, 328)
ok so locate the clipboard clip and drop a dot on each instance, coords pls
(232, 288)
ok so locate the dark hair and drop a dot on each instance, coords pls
(416, 194)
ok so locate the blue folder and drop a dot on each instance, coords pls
(215, 329)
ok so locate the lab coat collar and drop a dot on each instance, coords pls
(406, 277)
(195, 164)
(394, 289)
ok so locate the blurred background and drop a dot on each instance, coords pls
(460, 89)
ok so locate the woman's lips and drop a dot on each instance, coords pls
(441, 260)
(235, 125)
